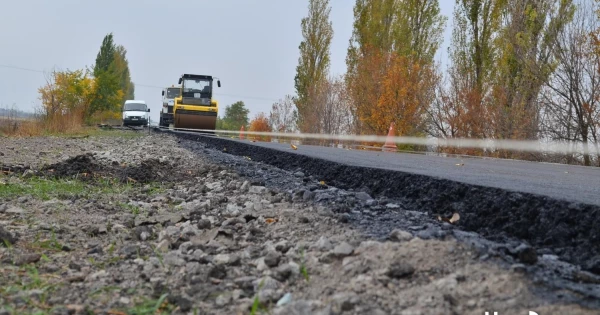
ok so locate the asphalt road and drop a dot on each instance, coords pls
(568, 182)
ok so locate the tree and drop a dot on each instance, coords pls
(283, 115)
(335, 115)
(314, 60)
(571, 108)
(407, 89)
(461, 109)
(108, 94)
(526, 61)
(122, 70)
(473, 52)
(388, 34)
(421, 25)
(236, 116)
(106, 56)
(67, 94)
(408, 27)
(260, 123)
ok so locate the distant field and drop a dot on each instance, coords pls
(12, 125)
(8, 118)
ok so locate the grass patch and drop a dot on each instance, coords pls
(50, 244)
(130, 208)
(46, 189)
(15, 281)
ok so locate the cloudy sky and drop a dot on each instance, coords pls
(251, 45)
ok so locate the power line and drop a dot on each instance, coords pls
(19, 68)
(154, 86)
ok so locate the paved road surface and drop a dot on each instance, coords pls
(575, 183)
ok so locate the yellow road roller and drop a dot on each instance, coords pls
(195, 108)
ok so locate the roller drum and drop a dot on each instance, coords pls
(195, 120)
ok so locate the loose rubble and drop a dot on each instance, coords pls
(158, 222)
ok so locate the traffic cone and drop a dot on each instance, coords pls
(242, 133)
(389, 145)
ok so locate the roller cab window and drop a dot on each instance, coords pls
(197, 88)
(196, 91)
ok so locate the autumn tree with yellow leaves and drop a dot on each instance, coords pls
(83, 96)
(391, 76)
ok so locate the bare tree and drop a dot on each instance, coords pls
(283, 115)
(334, 114)
(571, 98)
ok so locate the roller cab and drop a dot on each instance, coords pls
(195, 107)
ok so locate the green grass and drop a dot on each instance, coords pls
(129, 208)
(46, 189)
(27, 278)
(52, 243)
(303, 269)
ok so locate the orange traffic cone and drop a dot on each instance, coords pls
(242, 133)
(389, 145)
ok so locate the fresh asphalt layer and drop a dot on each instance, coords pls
(558, 181)
(553, 207)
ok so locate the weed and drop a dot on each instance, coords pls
(159, 256)
(27, 278)
(111, 248)
(130, 208)
(45, 258)
(51, 244)
(152, 307)
(303, 269)
(256, 305)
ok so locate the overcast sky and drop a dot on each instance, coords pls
(252, 46)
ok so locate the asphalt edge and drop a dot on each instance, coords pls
(554, 226)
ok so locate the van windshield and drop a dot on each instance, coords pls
(135, 107)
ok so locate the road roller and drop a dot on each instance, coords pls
(195, 107)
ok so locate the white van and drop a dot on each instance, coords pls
(135, 113)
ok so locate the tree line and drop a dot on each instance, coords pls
(520, 69)
(86, 96)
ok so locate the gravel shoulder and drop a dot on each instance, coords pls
(137, 223)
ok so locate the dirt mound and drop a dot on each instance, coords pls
(85, 167)
(153, 170)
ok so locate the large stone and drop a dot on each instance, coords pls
(400, 270)
(398, 235)
(258, 189)
(323, 244)
(343, 249)
(6, 236)
(272, 258)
